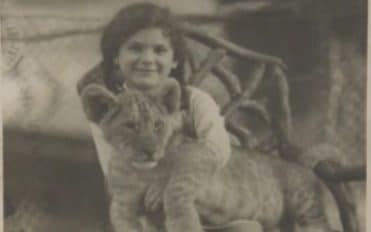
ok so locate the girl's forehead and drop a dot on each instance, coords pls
(152, 35)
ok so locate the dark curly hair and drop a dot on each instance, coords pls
(130, 20)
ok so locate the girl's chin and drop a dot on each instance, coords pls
(144, 83)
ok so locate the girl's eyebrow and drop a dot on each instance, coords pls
(137, 42)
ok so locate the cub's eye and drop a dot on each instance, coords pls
(131, 125)
(159, 125)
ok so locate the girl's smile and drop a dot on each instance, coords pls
(145, 58)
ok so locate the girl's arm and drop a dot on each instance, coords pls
(208, 124)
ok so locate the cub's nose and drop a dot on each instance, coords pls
(147, 153)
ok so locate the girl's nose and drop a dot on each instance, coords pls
(147, 56)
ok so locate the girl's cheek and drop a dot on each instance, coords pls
(128, 58)
(134, 62)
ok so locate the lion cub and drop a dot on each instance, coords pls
(145, 134)
(142, 129)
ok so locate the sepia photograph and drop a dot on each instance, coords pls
(184, 116)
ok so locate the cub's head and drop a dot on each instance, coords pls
(137, 125)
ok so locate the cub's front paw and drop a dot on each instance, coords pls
(154, 197)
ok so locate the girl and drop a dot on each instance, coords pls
(142, 46)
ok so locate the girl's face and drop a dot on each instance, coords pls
(146, 58)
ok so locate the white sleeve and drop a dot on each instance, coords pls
(209, 124)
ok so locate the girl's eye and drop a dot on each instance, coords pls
(160, 49)
(159, 125)
(136, 47)
(131, 125)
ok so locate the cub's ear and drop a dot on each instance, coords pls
(96, 102)
(171, 95)
(168, 94)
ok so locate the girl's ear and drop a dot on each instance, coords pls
(97, 101)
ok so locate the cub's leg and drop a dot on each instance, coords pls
(308, 208)
(124, 215)
(313, 219)
(126, 197)
(193, 165)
